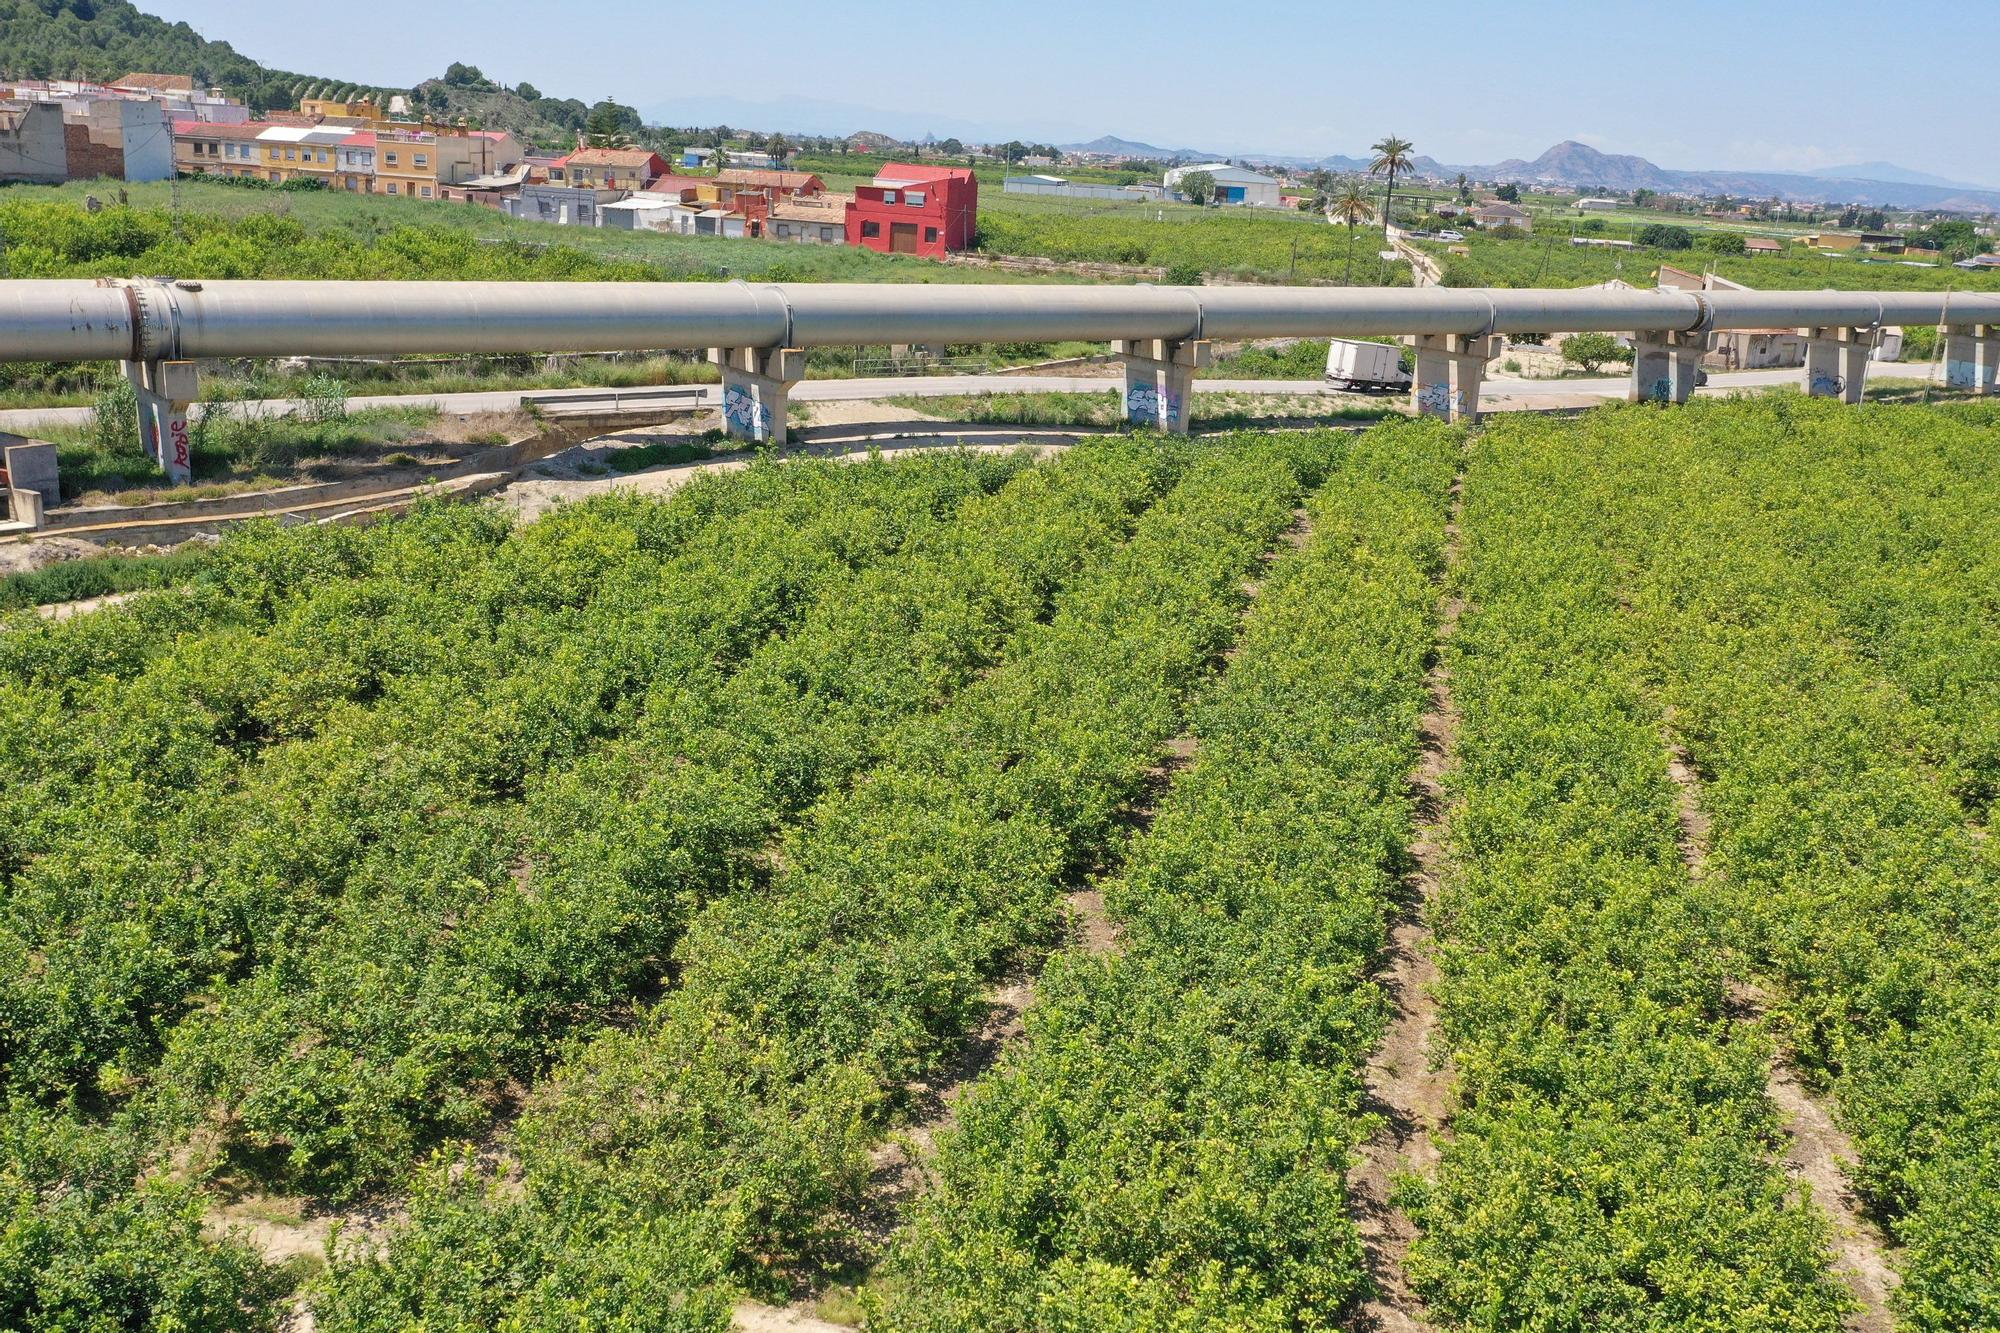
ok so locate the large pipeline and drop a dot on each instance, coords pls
(144, 320)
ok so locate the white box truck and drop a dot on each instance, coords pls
(1365, 367)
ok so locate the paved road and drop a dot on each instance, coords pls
(1498, 392)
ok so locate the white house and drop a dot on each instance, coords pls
(1233, 185)
(1596, 205)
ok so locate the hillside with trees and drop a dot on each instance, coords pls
(105, 39)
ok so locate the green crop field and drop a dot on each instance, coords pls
(957, 891)
(1551, 261)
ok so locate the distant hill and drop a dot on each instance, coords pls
(1889, 171)
(1579, 166)
(105, 39)
(1111, 143)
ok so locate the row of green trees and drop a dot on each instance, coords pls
(724, 1142)
(1167, 1146)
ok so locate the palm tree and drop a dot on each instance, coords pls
(1351, 204)
(1392, 156)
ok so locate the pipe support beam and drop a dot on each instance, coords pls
(1837, 360)
(1971, 356)
(1450, 369)
(756, 391)
(1159, 380)
(1666, 367)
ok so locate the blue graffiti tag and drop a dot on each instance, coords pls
(745, 417)
(1142, 404)
(1825, 386)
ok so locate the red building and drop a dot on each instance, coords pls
(915, 210)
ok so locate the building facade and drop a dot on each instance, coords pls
(915, 210)
(205, 148)
(31, 143)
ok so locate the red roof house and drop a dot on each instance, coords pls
(915, 210)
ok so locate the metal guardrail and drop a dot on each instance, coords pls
(870, 367)
(604, 404)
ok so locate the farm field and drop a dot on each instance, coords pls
(1492, 876)
(1551, 261)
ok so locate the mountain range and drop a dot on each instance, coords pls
(1578, 166)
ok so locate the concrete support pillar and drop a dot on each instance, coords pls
(1837, 361)
(1450, 368)
(1666, 367)
(756, 390)
(1971, 356)
(1159, 380)
(166, 390)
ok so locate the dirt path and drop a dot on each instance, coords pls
(1816, 1150)
(1402, 1087)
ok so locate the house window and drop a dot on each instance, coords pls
(350, 182)
(888, 196)
(914, 198)
(291, 155)
(422, 159)
(425, 191)
(392, 187)
(930, 234)
(390, 159)
(871, 230)
(784, 229)
(826, 233)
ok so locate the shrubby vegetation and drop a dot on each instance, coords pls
(1610, 1160)
(1819, 618)
(1167, 1148)
(1237, 241)
(724, 1140)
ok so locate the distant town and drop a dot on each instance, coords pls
(154, 126)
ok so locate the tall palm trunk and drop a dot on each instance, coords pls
(1388, 195)
(1348, 281)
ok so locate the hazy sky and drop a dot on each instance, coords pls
(1703, 83)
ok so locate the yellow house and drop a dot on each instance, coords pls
(290, 151)
(406, 162)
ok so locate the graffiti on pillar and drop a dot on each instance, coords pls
(1960, 374)
(1170, 410)
(1825, 386)
(1660, 390)
(177, 459)
(743, 416)
(1142, 404)
(1439, 399)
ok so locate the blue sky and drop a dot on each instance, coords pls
(1747, 84)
